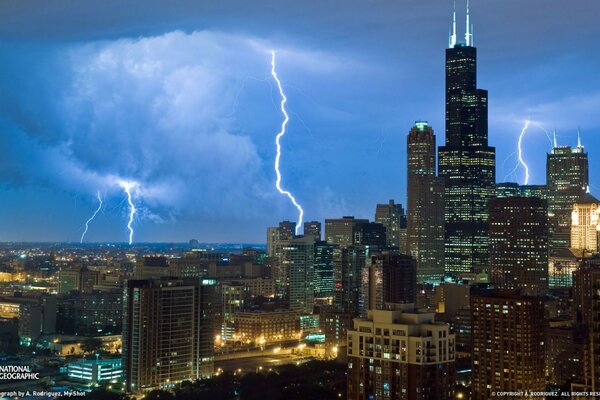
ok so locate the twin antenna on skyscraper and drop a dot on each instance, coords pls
(468, 32)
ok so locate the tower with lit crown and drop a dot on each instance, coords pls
(567, 179)
(466, 162)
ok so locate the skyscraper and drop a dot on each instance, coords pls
(400, 353)
(508, 334)
(566, 180)
(388, 278)
(585, 225)
(586, 286)
(168, 332)
(298, 259)
(323, 270)
(393, 218)
(313, 228)
(519, 244)
(342, 231)
(425, 233)
(466, 162)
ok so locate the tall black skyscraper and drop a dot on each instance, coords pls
(466, 163)
(567, 178)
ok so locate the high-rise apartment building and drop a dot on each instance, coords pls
(586, 286)
(508, 350)
(298, 259)
(388, 277)
(400, 353)
(168, 332)
(466, 162)
(566, 180)
(519, 244)
(393, 218)
(425, 232)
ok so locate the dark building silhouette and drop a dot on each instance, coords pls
(519, 244)
(466, 162)
(425, 232)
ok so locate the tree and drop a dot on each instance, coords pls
(91, 345)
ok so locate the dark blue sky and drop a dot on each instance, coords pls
(179, 98)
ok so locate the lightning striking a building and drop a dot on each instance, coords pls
(87, 223)
(278, 144)
(520, 152)
(128, 187)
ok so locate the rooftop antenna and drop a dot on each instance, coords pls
(468, 34)
(555, 145)
(579, 138)
(453, 35)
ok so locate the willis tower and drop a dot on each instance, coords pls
(466, 163)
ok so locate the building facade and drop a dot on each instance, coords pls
(393, 218)
(425, 231)
(466, 163)
(508, 343)
(400, 354)
(567, 179)
(168, 332)
(519, 244)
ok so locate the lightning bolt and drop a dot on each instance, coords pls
(278, 144)
(127, 187)
(525, 166)
(87, 223)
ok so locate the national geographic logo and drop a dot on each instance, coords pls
(17, 373)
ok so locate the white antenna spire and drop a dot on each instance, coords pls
(579, 137)
(453, 35)
(468, 33)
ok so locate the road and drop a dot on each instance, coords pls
(254, 364)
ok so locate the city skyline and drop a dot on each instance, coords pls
(58, 140)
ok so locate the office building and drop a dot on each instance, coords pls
(323, 269)
(342, 231)
(393, 218)
(585, 225)
(400, 353)
(425, 232)
(567, 179)
(519, 244)
(466, 162)
(77, 279)
(313, 228)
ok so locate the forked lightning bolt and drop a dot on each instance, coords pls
(525, 166)
(87, 223)
(278, 144)
(127, 187)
